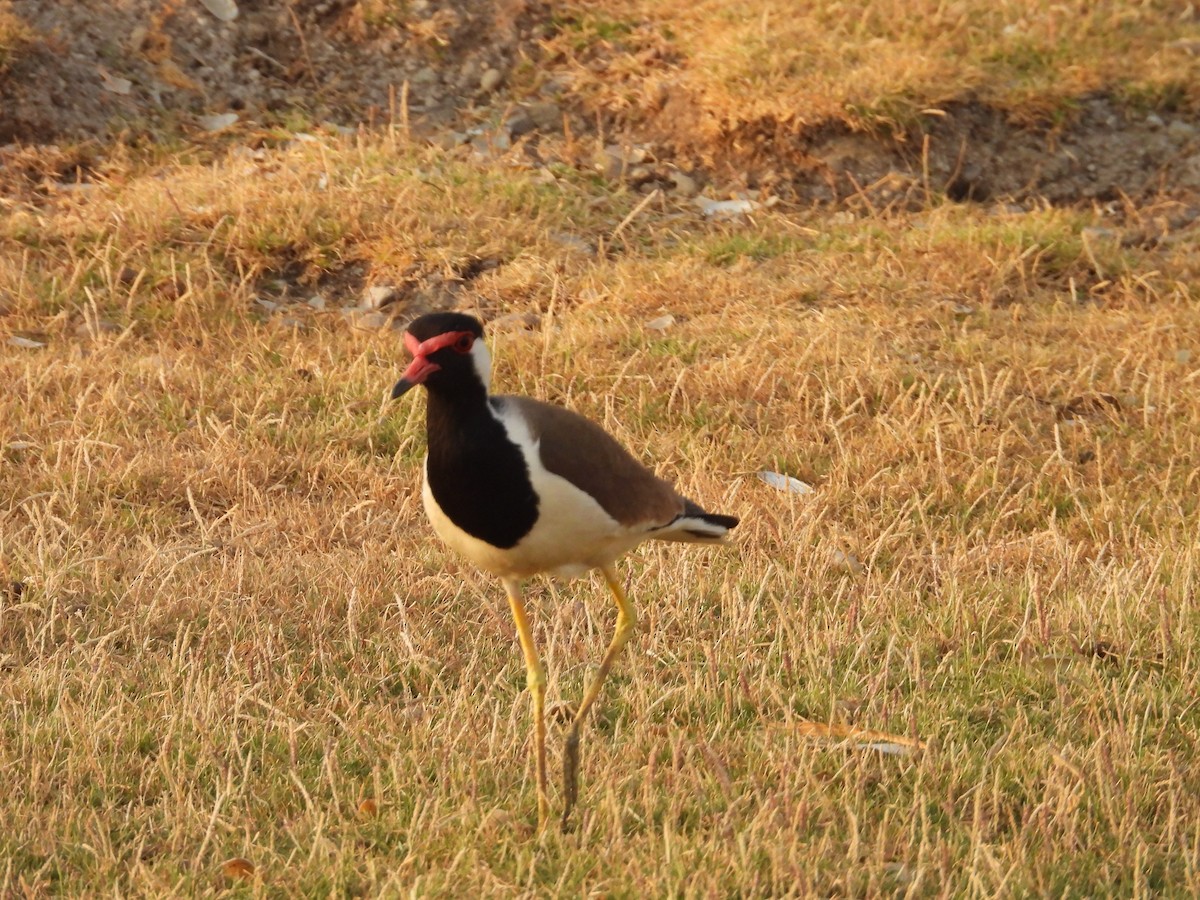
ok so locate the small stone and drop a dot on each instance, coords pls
(247, 154)
(848, 562)
(380, 295)
(218, 122)
(491, 142)
(490, 80)
(370, 321)
(520, 124)
(683, 184)
(640, 174)
(903, 874)
(1183, 357)
(547, 115)
(316, 301)
(608, 164)
(95, 329)
(448, 140)
(516, 322)
(114, 84)
(722, 209)
(615, 160)
(637, 155)
(661, 323)
(573, 242)
(1093, 233)
(154, 364)
(225, 10)
(1181, 130)
(1154, 120)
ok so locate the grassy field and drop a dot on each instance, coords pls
(883, 65)
(234, 658)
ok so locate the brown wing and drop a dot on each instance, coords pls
(583, 453)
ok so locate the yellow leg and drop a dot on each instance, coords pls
(626, 623)
(535, 680)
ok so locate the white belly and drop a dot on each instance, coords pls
(572, 535)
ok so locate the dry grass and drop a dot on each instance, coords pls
(882, 64)
(15, 36)
(235, 626)
(231, 636)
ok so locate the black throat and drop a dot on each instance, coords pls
(476, 474)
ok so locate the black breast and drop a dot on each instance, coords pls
(477, 475)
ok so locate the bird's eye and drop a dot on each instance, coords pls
(463, 344)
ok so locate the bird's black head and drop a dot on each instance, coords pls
(448, 354)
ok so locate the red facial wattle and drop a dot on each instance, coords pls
(460, 341)
(422, 366)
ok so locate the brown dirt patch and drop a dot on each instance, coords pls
(965, 150)
(96, 68)
(144, 69)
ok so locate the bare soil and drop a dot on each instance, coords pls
(326, 59)
(143, 70)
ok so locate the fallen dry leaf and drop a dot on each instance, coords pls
(25, 343)
(239, 867)
(1088, 404)
(880, 741)
(785, 483)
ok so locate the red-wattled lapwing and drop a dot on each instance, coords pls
(521, 487)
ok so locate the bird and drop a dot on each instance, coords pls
(521, 488)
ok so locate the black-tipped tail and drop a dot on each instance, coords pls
(726, 522)
(694, 524)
